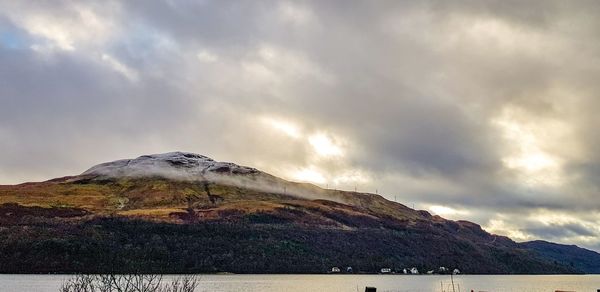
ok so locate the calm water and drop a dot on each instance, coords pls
(350, 283)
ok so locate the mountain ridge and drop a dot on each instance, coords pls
(180, 192)
(585, 260)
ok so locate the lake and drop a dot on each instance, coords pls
(350, 283)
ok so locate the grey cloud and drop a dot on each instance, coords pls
(560, 231)
(411, 87)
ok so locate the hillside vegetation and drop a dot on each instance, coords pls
(100, 222)
(582, 259)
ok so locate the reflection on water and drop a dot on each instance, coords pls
(350, 283)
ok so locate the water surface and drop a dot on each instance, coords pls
(337, 283)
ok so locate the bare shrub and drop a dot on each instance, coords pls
(128, 283)
(181, 284)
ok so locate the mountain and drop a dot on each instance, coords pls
(581, 259)
(186, 213)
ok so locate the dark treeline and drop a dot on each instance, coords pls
(118, 245)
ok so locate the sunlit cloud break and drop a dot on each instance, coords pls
(469, 110)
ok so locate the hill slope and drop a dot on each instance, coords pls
(182, 212)
(582, 259)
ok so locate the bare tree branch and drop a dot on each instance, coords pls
(128, 283)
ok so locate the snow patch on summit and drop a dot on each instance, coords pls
(176, 165)
(195, 167)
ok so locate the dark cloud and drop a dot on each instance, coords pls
(558, 232)
(485, 107)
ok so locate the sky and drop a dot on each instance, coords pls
(476, 110)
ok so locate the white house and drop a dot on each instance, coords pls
(414, 270)
(456, 271)
(335, 270)
(386, 270)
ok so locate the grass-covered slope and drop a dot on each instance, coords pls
(240, 221)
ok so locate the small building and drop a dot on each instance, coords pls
(385, 270)
(404, 271)
(348, 269)
(430, 272)
(335, 270)
(442, 269)
(456, 272)
(414, 271)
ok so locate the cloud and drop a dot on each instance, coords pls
(119, 67)
(64, 27)
(559, 232)
(479, 110)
